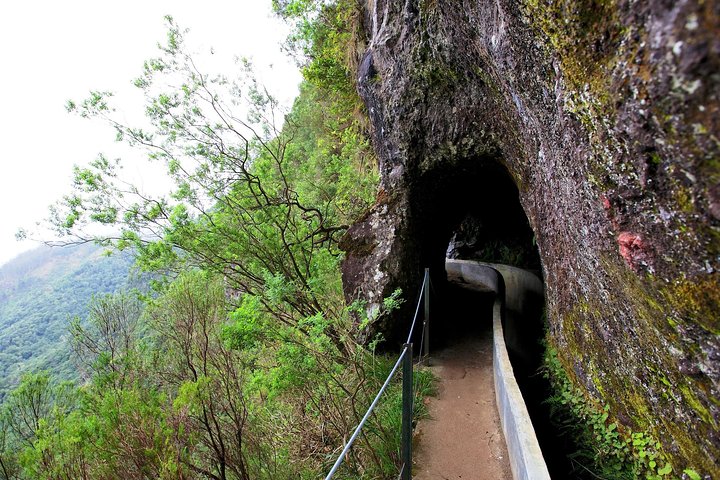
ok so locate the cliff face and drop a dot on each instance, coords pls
(601, 117)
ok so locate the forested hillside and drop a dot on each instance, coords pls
(40, 292)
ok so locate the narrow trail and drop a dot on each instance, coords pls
(462, 438)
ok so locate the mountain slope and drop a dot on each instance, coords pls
(40, 291)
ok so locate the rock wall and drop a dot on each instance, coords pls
(604, 114)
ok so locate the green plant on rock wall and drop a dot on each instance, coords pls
(606, 449)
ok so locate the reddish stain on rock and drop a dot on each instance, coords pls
(606, 203)
(635, 250)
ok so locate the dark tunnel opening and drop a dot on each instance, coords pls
(473, 213)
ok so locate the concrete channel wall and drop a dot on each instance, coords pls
(510, 285)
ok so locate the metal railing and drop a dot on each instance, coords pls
(405, 358)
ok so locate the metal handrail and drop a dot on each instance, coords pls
(417, 308)
(407, 396)
(367, 415)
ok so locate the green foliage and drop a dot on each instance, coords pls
(31, 413)
(199, 362)
(605, 449)
(327, 38)
(691, 474)
(234, 395)
(104, 345)
(247, 325)
(39, 292)
(264, 207)
(394, 301)
(244, 364)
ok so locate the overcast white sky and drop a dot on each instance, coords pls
(53, 51)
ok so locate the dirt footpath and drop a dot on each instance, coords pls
(463, 438)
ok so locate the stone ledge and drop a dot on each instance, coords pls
(526, 459)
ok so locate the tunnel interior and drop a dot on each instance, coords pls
(473, 212)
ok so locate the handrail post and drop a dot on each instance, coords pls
(426, 324)
(407, 411)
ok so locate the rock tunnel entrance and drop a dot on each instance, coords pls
(474, 213)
